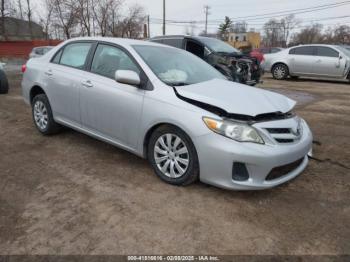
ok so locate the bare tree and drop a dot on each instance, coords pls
(45, 19)
(287, 25)
(342, 35)
(3, 18)
(85, 14)
(28, 12)
(273, 34)
(103, 11)
(66, 14)
(132, 25)
(309, 35)
(20, 9)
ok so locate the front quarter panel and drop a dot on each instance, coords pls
(162, 106)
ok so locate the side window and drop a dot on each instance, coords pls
(108, 59)
(303, 50)
(39, 51)
(195, 48)
(275, 50)
(173, 42)
(57, 57)
(159, 41)
(75, 55)
(326, 51)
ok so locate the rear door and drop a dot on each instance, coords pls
(64, 76)
(328, 62)
(301, 60)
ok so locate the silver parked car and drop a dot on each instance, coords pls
(169, 106)
(322, 61)
(40, 51)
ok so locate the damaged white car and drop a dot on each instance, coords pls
(171, 107)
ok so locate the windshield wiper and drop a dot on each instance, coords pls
(178, 84)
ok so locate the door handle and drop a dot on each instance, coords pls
(87, 84)
(49, 72)
(318, 61)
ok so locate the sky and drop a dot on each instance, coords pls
(193, 10)
(189, 10)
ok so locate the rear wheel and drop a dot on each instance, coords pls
(173, 156)
(280, 72)
(42, 115)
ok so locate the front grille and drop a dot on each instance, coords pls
(281, 171)
(284, 135)
(283, 140)
(278, 130)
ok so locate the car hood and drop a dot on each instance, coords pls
(236, 98)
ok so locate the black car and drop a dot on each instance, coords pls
(4, 86)
(225, 58)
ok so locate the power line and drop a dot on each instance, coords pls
(276, 14)
(280, 13)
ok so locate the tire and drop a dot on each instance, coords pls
(183, 174)
(4, 85)
(280, 72)
(42, 116)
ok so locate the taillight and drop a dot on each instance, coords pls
(24, 67)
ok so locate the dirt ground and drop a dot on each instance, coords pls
(71, 194)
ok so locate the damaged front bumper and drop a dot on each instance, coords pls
(261, 166)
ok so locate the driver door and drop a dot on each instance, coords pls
(108, 108)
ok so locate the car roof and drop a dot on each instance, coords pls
(47, 46)
(314, 45)
(115, 40)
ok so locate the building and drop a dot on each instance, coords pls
(248, 40)
(19, 30)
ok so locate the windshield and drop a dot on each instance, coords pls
(218, 46)
(176, 67)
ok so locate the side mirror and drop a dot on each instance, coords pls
(127, 77)
(340, 57)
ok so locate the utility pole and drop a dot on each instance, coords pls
(206, 11)
(148, 28)
(164, 17)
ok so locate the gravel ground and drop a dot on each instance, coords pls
(71, 194)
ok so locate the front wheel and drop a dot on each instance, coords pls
(173, 156)
(280, 72)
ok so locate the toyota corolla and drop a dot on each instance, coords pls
(168, 106)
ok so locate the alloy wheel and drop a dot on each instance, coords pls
(40, 115)
(280, 72)
(171, 155)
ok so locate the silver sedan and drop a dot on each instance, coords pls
(171, 107)
(320, 61)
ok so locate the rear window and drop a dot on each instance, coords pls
(175, 42)
(303, 50)
(326, 51)
(75, 55)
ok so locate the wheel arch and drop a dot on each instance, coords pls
(279, 63)
(34, 91)
(152, 129)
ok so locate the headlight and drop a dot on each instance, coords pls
(237, 131)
